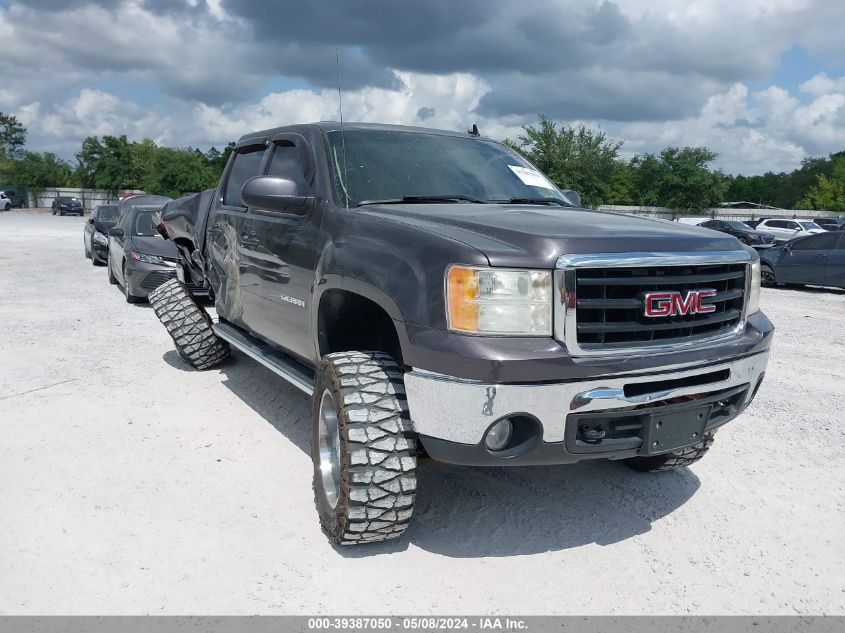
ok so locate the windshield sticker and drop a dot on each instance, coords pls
(531, 177)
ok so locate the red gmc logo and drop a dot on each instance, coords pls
(673, 303)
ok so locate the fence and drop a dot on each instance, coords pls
(90, 198)
(719, 212)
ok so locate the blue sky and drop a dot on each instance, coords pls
(761, 82)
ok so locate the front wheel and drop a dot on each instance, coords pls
(767, 277)
(363, 448)
(673, 460)
(189, 325)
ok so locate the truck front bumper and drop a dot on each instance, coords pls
(609, 417)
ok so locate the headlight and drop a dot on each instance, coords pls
(149, 259)
(754, 288)
(99, 238)
(498, 301)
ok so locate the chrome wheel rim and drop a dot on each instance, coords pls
(329, 448)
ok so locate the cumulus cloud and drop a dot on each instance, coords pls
(651, 72)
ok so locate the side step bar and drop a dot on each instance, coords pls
(295, 373)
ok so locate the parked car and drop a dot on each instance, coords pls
(815, 259)
(16, 196)
(95, 234)
(785, 230)
(434, 290)
(740, 231)
(138, 258)
(5, 203)
(67, 205)
(831, 224)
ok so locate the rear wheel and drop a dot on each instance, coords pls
(189, 326)
(671, 461)
(767, 276)
(363, 449)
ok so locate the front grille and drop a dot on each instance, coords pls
(155, 279)
(607, 309)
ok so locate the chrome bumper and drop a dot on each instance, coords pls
(459, 410)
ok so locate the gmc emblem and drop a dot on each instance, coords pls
(673, 303)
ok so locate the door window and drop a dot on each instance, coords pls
(793, 226)
(246, 165)
(821, 242)
(287, 163)
(775, 224)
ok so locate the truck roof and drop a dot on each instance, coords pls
(332, 126)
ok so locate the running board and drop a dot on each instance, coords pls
(295, 373)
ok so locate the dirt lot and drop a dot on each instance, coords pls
(131, 484)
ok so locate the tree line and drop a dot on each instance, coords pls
(579, 158)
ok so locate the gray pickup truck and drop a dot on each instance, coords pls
(438, 296)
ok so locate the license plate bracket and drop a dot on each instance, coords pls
(671, 431)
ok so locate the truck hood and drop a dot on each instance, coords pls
(153, 246)
(535, 235)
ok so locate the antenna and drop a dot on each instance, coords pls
(342, 135)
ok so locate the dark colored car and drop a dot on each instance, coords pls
(16, 197)
(817, 260)
(95, 234)
(741, 231)
(831, 224)
(138, 258)
(434, 290)
(67, 205)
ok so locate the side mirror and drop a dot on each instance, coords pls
(90, 220)
(275, 194)
(573, 196)
(116, 232)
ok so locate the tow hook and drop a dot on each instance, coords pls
(592, 434)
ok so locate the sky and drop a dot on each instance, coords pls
(761, 82)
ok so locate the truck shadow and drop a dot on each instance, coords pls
(465, 512)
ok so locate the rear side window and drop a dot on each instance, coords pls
(821, 242)
(247, 163)
(287, 163)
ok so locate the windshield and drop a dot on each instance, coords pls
(143, 224)
(737, 225)
(809, 225)
(392, 165)
(107, 214)
(68, 200)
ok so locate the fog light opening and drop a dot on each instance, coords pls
(499, 435)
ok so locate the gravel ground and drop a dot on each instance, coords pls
(131, 484)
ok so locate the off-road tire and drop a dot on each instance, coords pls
(112, 278)
(671, 461)
(188, 325)
(378, 456)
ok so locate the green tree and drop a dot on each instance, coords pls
(12, 136)
(647, 173)
(686, 181)
(579, 158)
(176, 172)
(106, 164)
(828, 194)
(36, 171)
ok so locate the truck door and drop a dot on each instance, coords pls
(280, 255)
(806, 260)
(225, 225)
(835, 271)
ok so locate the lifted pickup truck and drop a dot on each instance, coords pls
(437, 295)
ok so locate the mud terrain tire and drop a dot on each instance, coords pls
(671, 461)
(374, 449)
(188, 325)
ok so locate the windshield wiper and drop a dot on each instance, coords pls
(415, 199)
(533, 201)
